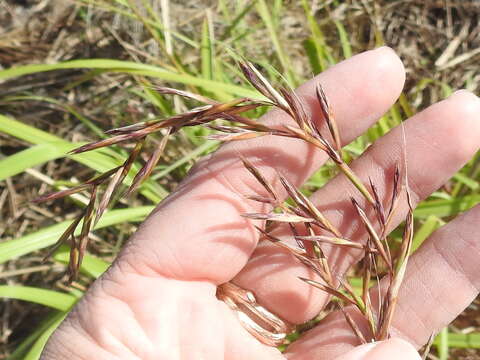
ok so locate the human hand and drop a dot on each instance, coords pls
(158, 300)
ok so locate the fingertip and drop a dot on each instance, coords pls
(389, 61)
(393, 349)
(468, 103)
(464, 107)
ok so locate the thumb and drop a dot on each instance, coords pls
(392, 349)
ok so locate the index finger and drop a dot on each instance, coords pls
(198, 232)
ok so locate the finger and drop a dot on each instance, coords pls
(198, 232)
(441, 281)
(393, 349)
(439, 141)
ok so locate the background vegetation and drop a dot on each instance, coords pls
(72, 69)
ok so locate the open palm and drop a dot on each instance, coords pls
(158, 300)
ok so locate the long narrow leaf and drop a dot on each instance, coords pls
(48, 236)
(50, 298)
(22, 349)
(448, 207)
(131, 68)
(97, 160)
(37, 348)
(36, 155)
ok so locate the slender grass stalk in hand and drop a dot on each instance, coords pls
(299, 214)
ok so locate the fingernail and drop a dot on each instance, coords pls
(392, 349)
(360, 352)
(386, 48)
(464, 92)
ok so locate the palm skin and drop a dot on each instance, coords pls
(158, 299)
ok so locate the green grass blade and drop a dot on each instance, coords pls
(97, 160)
(238, 18)
(207, 49)
(442, 345)
(133, 68)
(462, 341)
(313, 56)
(342, 33)
(446, 207)
(164, 107)
(395, 115)
(36, 155)
(37, 348)
(431, 224)
(265, 14)
(130, 14)
(67, 108)
(204, 148)
(50, 298)
(24, 346)
(322, 54)
(470, 183)
(405, 105)
(48, 236)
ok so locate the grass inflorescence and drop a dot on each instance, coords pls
(226, 118)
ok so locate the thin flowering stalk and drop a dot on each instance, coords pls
(283, 217)
(399, 273)
(356, 182)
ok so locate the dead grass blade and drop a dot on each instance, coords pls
(428, 346)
